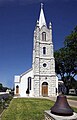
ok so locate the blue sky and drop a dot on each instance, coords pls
(17, 22)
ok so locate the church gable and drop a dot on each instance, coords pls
(24, 83)
(26, 74)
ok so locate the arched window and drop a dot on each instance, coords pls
(17, 89)
(29, 83)
(44, 36)
(44, 50)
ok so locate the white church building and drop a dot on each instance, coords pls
(41, 79)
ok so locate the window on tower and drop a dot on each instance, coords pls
(44, 50)
(44, 65)
(44, 36)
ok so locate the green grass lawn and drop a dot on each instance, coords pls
(73, 98)
(27, 109)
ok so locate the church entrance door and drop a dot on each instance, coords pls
(44, 89)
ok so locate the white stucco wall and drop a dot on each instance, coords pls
(24, 84)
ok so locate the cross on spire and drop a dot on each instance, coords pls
(41, 5)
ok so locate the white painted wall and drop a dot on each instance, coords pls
(24, 84)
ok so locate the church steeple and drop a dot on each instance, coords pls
(42, 20)
(43, 59)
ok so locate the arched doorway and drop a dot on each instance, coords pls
(44, 89)
(17, 89)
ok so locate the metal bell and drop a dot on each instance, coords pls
(61, 107)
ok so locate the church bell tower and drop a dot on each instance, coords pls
(43, 59)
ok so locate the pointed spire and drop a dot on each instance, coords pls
(50, 25)
(42, 17)
(37, 23)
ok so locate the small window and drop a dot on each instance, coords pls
(44, 36)
(44, 50)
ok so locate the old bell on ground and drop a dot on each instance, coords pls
(61, 107)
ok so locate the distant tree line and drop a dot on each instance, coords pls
(66, 60)
(3, 89)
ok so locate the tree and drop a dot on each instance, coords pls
(66, 59)
(1, 86)
(3, 89)
(59, 62)
(71, 50)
